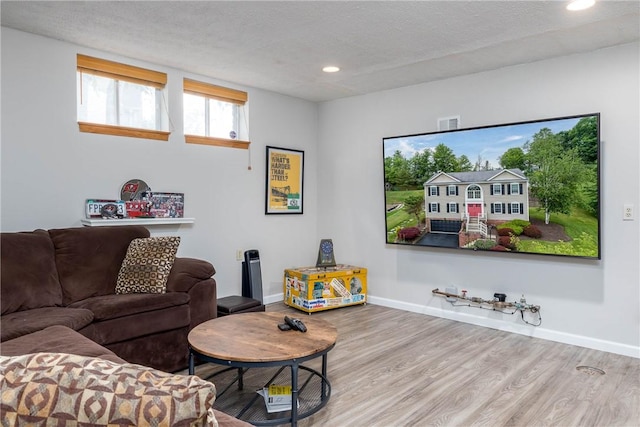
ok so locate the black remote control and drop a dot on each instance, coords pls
(295, 324)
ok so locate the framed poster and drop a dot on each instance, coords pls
(285, 171)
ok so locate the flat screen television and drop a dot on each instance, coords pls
(529, 187)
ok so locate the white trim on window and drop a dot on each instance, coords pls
(474, 192)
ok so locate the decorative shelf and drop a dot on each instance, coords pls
(99, 222)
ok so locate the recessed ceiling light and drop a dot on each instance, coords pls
(331, 69)
(580, 4)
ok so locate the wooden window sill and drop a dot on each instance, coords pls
(220, 142)
(124, 131)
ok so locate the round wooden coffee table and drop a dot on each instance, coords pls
(253, 340)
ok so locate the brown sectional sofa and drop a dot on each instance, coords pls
(68, 276)
(58, 296)
(61, 339)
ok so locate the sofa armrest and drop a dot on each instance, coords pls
(187, 272)
(203, 304)
(193, 276)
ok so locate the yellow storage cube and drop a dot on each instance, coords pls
(313, 289)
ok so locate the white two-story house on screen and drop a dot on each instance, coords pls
(459, 201)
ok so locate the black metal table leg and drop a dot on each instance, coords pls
(323, 392)
(240, 379)
(294, 394)
(192, 363)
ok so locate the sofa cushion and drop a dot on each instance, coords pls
(113, 306)
(56, 388)
(167, 351)
(25, 322)
(88, 259)
(138, 325)
(28, 272)
(56, 339)
(147, 265)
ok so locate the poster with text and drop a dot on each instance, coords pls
(285, 170)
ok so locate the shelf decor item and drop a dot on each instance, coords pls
(103, 208)
(134, 189)
(167, 205)
(136, 193)
(326, 257)
(284, 181)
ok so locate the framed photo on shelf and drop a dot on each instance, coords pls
(284, 181)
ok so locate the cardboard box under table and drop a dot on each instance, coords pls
(313, 289)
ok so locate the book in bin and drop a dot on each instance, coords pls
(279, 393)
(277, 398)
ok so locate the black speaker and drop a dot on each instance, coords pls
(252, 275)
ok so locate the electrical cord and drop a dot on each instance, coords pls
(529, 323)
(479, 305)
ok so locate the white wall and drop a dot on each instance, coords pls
(49, 168)
(590, 303)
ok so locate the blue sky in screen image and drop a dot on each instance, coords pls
(488, 143)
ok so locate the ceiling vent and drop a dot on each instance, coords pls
(449, 123)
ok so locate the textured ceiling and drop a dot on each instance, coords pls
(282, 45)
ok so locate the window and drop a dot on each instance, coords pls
(434, 191)
(214, 115)
(515, 208)
(434, 207)
(473, 192)
(497, 208)
(452, 190)
(497, 189)
(120, 99)
(515, 188)
(452, 207)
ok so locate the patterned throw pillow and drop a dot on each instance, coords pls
(146, 266)
(65, 389)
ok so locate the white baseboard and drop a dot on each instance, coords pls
(523, 329)
(269, 299)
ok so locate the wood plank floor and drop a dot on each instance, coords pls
(396, 368)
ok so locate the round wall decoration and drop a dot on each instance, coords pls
(134, 189)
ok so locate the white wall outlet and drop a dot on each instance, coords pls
(238, 254)
(627, 213)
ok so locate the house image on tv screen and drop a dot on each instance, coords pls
(473, 201)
